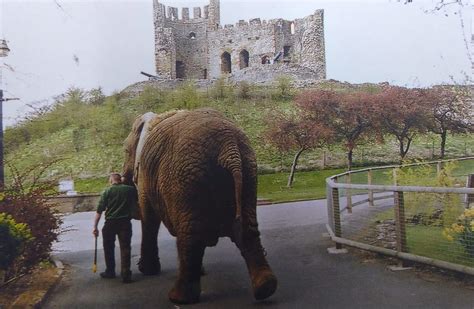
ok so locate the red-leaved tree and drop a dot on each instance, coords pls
(403, 113)
(347, 115)
(296, 133)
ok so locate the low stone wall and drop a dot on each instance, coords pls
(77, 203)
(88, 202)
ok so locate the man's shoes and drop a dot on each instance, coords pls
(127, 277)
(107, 275)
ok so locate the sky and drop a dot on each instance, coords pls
(58, 44)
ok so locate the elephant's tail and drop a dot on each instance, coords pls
(231, 160)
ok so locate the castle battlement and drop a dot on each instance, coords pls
(169, 13)
(165, 14)
(199, 47)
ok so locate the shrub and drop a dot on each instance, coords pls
(425, 205)
(13, 238)
(463, 231)
(284, 88)
(221, 89)
(25, 201)
(187, 97)
(244, 90)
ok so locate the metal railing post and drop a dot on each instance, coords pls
(349, 194)
(336, 215)
(329, 205)
(470, 184)
(400, 222)
(371, 192)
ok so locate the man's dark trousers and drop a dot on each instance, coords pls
(123, 229)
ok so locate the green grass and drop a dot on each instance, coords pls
(428, 241)
(91, 185)
(307, 185)
(384, 176)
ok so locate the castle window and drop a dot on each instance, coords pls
(286, 51)
(265, 60)
(292, 27)
(226, 63)
(192, 36)
(244, 59)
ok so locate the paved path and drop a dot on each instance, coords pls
(292, 234)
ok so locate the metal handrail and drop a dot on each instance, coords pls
(330, 181)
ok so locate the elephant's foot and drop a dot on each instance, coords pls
(149, 267)
(185, 293)
(264, 284)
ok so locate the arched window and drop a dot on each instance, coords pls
(192, 36)
(265, 60)
(292, 28)
(226, 63)
(244, 59)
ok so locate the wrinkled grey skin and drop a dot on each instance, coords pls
(196, 172)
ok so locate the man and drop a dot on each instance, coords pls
(117, 201)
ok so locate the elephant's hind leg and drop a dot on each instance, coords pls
(264, 282)
(187, 288)
(149, 263)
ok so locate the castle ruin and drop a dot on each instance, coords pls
(198, 47)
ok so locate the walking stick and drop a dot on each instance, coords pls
(94, 267)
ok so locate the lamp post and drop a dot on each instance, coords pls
(4, 50)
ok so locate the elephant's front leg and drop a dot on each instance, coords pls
(149, 261)
(187, 288)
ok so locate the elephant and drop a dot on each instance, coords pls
(196, 172)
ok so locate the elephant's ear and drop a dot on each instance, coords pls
(142, 131)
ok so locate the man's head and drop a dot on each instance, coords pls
(115, 178)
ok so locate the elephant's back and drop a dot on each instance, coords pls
(187, 131)
(189, 142)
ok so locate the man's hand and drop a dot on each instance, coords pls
(95, 231)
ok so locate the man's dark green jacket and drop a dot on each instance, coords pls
(118, 201)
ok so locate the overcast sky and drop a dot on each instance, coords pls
(63, 43)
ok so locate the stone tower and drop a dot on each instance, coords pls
(198, 47)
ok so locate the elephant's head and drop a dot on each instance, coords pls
(133, 146)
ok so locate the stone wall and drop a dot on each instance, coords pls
(255, 38)
(191, 48)
(309, 44)
(200, 48)
(77, 203)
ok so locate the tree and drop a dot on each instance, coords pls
(95, 96)
(348, 115)
(440, 4)
(401, 112)
(450, 111)
(295, 133)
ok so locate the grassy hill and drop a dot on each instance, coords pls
(83, 131)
